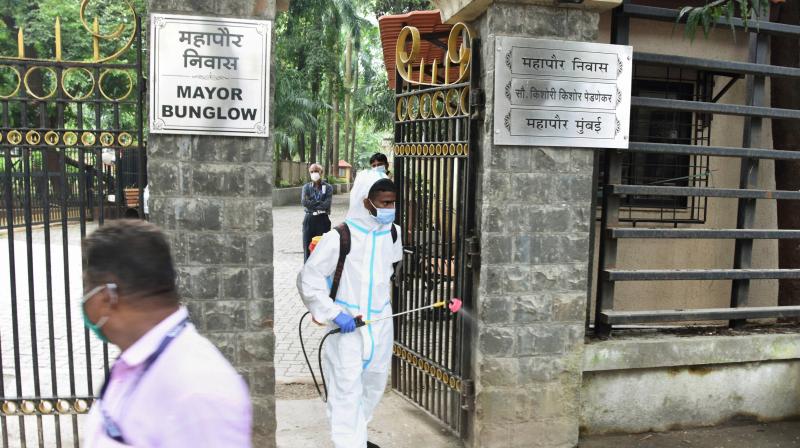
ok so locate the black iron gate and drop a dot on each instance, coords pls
(72, 156)
(434, 164)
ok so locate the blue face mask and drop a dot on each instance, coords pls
(380, 169)
(384, 215)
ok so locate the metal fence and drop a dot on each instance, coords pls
(434, 158)
(68, 162)
(615, 190)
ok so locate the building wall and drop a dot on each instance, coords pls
(663, 37)
(659, 382)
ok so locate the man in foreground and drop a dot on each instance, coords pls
(356, 362)
(170, 387)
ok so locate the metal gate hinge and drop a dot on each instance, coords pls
(468, 395)
(473, 251)
(477, 98)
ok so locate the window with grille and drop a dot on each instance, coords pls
(672, 127)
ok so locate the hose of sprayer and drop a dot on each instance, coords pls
(358, 322)
(319, 358)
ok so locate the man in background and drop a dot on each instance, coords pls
(380, 163)
(316, 198)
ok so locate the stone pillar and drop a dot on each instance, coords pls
(534, 217)
(213, 197)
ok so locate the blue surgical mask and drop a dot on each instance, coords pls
(383, 215)
(96, 327)
(380, 169)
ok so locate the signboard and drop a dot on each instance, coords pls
(209, 75)
(559, 93)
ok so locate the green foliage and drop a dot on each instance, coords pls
(706, 16)
(310, 74)
(382, 7)
(37, 20)
(337, 180)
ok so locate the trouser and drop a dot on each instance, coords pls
(356, 380)
(314, 226)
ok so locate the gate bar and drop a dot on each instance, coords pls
(634, 317)
(718, 65)
(671, 15)
(716, 108)
(717, 151)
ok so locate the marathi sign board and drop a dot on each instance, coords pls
(559, 93)
(209, 75)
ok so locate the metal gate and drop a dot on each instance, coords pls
(72, 156)
(434, 159)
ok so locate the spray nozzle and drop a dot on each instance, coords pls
(453, 304)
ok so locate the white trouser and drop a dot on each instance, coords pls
(356, 382)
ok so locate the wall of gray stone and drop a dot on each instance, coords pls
(212, 196)
(534, 218)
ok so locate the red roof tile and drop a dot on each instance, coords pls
(426, 22)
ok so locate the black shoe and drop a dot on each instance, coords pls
(372, 445)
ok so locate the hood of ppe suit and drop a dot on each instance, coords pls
(357, 212)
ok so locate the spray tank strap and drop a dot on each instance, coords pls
(344, 249)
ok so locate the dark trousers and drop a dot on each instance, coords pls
(313, 226)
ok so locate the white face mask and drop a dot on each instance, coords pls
(315, 176)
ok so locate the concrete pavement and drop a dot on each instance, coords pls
(287, 221)
(397, 423)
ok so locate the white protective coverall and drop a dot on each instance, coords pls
(356, 364)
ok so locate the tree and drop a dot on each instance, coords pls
(383, 7)
(332, 68)
(784, 51)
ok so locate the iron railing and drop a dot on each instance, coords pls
(435, 157)
(741, 272)
(55, 188)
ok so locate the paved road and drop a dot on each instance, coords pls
(396, 424)
(289, 363)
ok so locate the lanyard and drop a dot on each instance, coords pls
(317, 194)
(112, 428)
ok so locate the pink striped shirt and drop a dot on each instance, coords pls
(190, 397)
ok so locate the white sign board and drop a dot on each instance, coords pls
(559, 93)
(209, 75)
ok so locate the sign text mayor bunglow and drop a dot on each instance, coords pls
(558, 93)
(209, 75)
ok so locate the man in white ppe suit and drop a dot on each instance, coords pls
(356, 362)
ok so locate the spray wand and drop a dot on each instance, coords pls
(454, 305)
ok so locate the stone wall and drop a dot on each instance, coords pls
(212, 196)
(534, 218)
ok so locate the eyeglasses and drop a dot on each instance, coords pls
(112, 288)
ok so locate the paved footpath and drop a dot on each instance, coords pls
(289, 363)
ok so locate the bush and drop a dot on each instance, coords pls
(337, 180)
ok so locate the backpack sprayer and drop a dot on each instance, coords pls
(453, 305)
